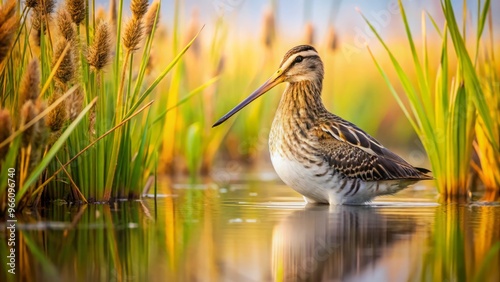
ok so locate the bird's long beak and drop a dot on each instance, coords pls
(274, 80)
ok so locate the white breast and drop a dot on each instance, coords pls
(301, 179)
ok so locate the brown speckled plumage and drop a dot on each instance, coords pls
(320, 155)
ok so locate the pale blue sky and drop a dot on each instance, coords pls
(292, 14)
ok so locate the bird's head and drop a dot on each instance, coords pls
(301, 63)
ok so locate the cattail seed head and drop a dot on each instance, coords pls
(92, 117)
(133, 34)
(28, 112)
(8, 26)
(31, 3)
(139, 8)
(75, 103)
(100, 15)
(65, 25)
(150, 18)
(268, 28)
(66, 70)
(48, 6)
(40, 136)
(59, 115)
(99, 52)
(309, 33)
(332, 39)
(112, 12)
(29, 88)
(76, 9)
(5, 131)
(37, 26)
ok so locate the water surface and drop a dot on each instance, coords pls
(259, 231)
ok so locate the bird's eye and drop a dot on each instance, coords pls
(299, 59)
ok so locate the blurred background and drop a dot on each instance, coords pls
(242, 43)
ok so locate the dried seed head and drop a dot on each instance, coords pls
(309, 33)
(28, 112)
(332, 39)
(8, 26)
(31, 3)
(139, 8)
(99, 52)
(59, 115)
(36, 25)
(30, 84)
(92, 121)
(268, 28)
(133, 34)
(5, 131)
(65, 25)
(112, 12)
(48, 6)
(76, 9)
(100, 15)
(66, 70)
(40, 136)
(150, 18)
(75, 103)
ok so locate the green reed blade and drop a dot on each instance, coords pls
(161, 76)
(471, 80)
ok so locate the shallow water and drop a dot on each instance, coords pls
(259, 231)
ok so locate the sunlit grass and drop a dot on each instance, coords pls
(94, 142)
(171, 96)
(444, 112)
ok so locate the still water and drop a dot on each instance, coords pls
(258, 231)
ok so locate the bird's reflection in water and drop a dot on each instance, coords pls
(331, 243)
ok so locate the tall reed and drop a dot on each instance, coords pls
(444, 112)
(76, 134)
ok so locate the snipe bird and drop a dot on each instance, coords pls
(320, 155)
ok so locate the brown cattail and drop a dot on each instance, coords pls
(40, 136)
(66, 70)
(331, 39)
(92, 121)
(59, 115)
(112, 12)
(8, 27)
(30, 84)
(150, 18)
(75, 103)
(139, 8)
(100, 15)
(65, 25)
(133, 34)
(5, 131)
(40, 18)
(76, 9)
(268, 28)
(99, 52)
(28, 112)
(37, 26)
(309, 33)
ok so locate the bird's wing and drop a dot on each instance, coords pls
(356, 154)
